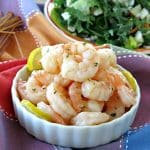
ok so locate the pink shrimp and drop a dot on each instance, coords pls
(54, 116)
(119, 82)
(76, 96)
(114, 107)
(81, 103)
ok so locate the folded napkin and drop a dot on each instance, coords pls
(14, 137)
(36, 31)
(7, 73)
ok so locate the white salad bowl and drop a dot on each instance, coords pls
(48, 6)
(71, 136)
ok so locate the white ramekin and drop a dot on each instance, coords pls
(71, 136)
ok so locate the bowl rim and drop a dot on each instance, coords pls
(16, 101)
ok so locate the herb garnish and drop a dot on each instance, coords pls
(55, 92)
(34, 89)
(67, 55)
(96, 64)
(113, 114)
(108, 21)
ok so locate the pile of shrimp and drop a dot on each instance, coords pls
(78, 84)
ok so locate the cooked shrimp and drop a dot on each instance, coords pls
(79, 102)
(114, 107)
(107, 57)
(43, 77)
(124, 89)
(54, 116)
(21, 88)
(52, 58)
(90, 118)
(58, 99)
(97, 90)
(62, 81)
(36, 86)
(117, 77)
(119, 82)
(76, 96)
(101, 75)
(112, 75)
(76, 70)
(126, 95)
(94, 106)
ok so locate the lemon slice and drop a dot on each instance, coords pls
(33, 62)
(130, 79)
(36, 111)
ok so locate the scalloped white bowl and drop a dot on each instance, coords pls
(71, 136)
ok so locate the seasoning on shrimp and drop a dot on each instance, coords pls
(76, 96)
(21, 88)
(62, 81)
(52, 58)
(76, 70)
(126, 95)
(107, 57)
(97, 90)
(35, 88)
(59, 100)
(79, 84)
(114, 107)
(49, 110)
(90, 118)
(81, 103)
(94, 106)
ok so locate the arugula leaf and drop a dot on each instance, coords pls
(77, 14)
(147, 38)
(115, 24)
(144, 3)
(85, 5)
(59, 3)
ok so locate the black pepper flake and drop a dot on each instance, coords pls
(113, 114)
(96, 64)
(55, 92)
(67, 55)
(84, 43)
(43, 88)
(33, 89)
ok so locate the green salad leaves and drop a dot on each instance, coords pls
(120, 22)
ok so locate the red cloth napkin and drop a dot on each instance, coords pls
(7, 72)
(12, 135)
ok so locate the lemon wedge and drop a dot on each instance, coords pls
(130, 79)
(33, 62)
(34, 110)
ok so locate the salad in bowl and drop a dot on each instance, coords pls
(125, 23)
(75, 95)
